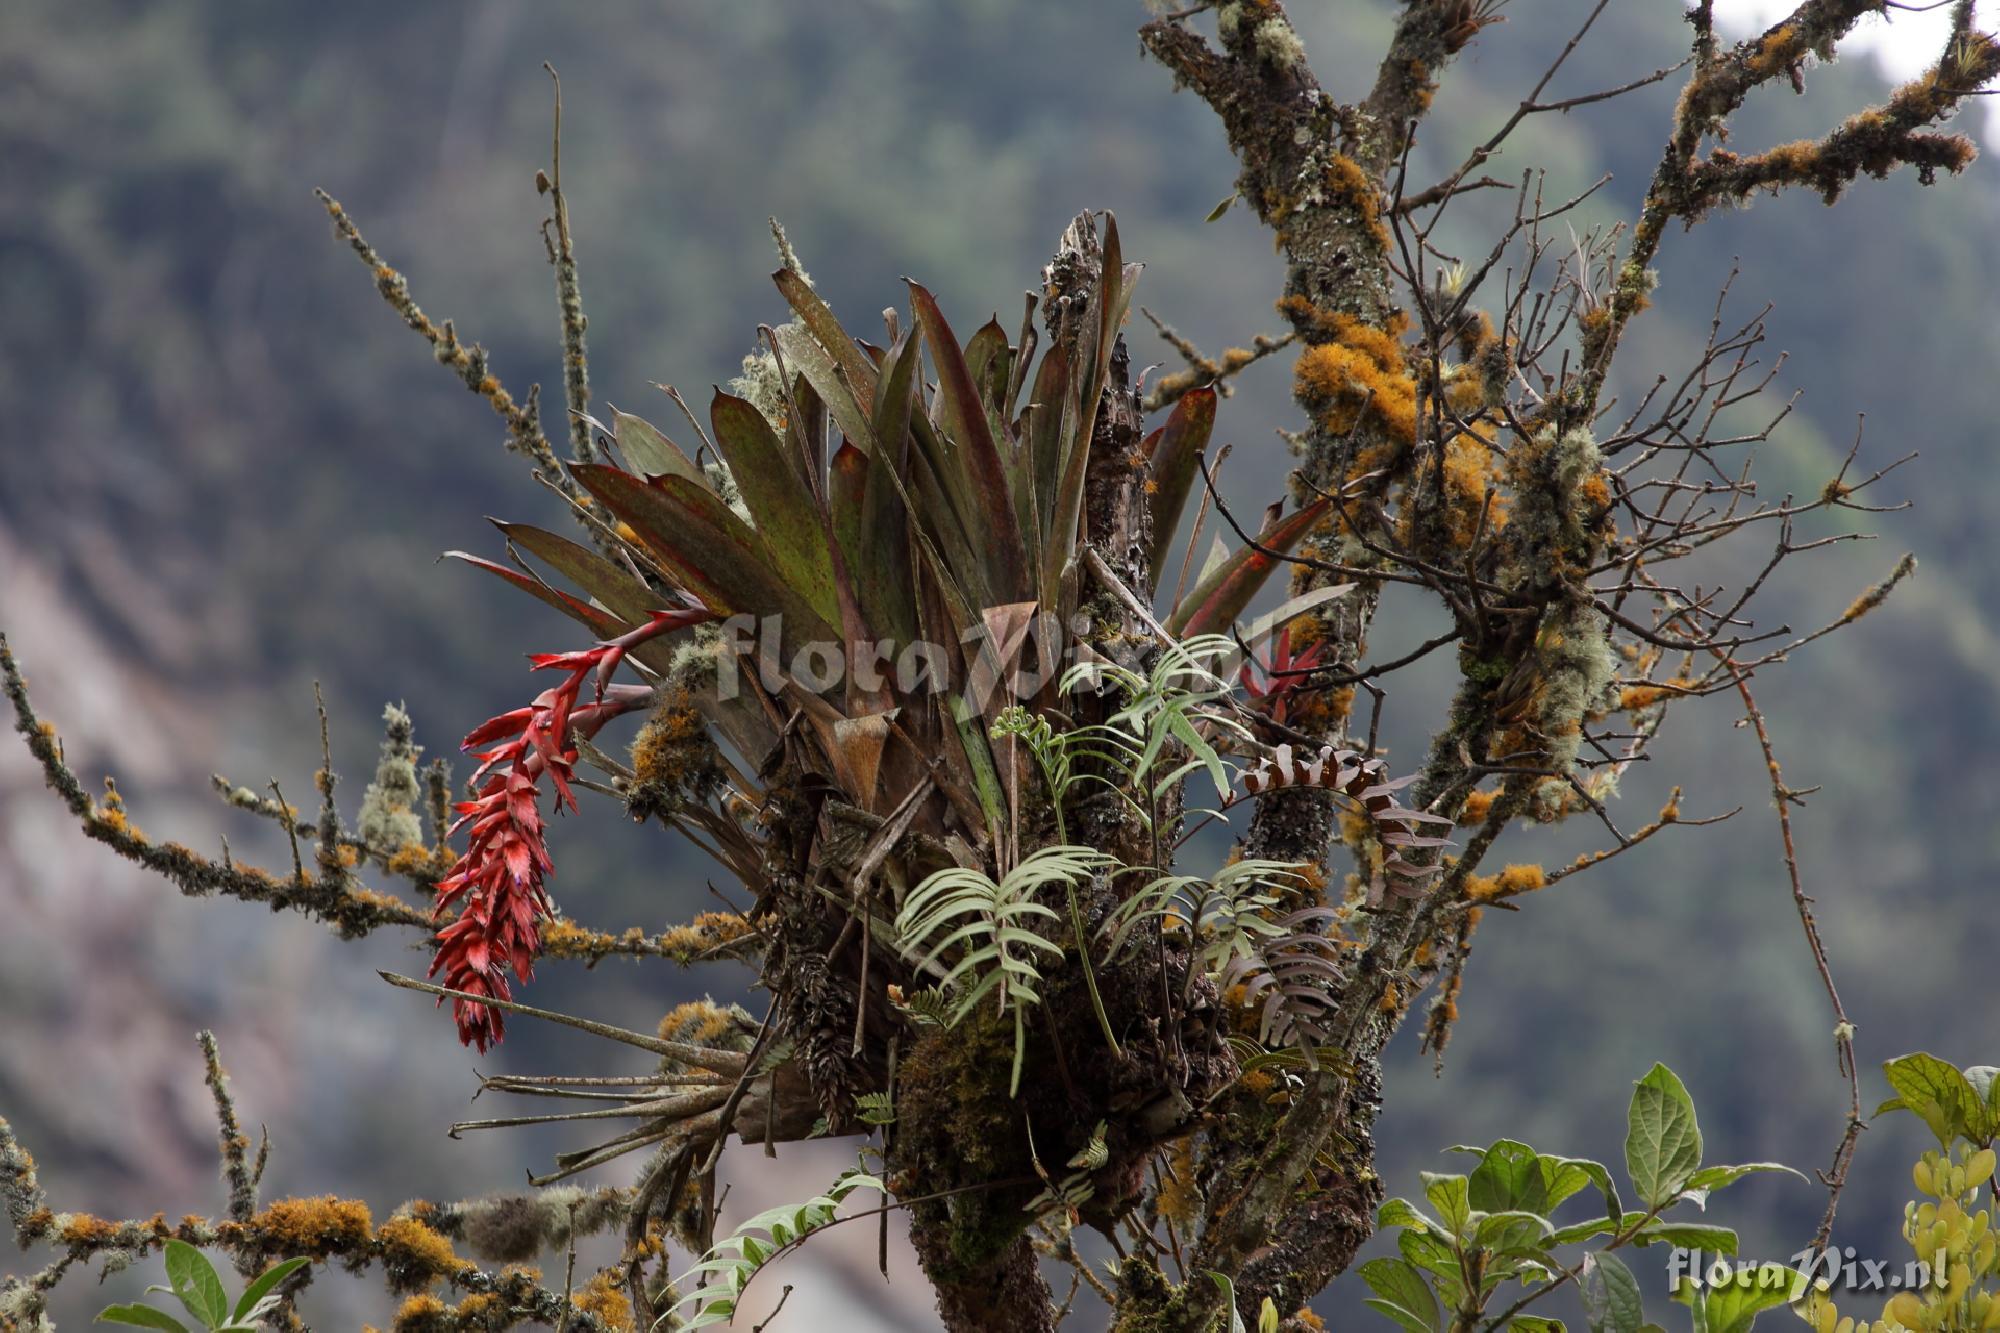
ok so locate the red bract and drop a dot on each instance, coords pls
(500, 881)
(1272, 688)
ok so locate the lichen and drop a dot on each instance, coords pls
(389, 807)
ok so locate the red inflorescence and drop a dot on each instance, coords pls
(500, 882)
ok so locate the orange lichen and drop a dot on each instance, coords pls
(1179, 1201)
(1361, 373)
(413, 1255)
(1346, 180)
(479, 1308)
(1469, 473)
(1510, 882)
(698, 1021)
(602, 1298)
(84, 1229)
(1782, 47)
(412, 858)
(319, 1226)
(1477, 806)
(1595, 491)
(421, 1314)
(1633, 698)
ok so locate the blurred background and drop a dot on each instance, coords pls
(226, 472)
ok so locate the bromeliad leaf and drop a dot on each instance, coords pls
(1174, 459)
(1213, 604)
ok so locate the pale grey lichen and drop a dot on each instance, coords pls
(389, 818)
(1278, 44)
(762, 385)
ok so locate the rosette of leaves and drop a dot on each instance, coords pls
(930, 491)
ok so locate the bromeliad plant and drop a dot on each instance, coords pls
(994, 829)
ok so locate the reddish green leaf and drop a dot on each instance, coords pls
(614, 588)
(601, 623)
(973, 451)
(1173, 468)
(647, 450)
(1212, 605)
(782, 508)
(818, 317)
(705, 547)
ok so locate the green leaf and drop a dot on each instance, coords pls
(602, 623)
(196, 1283)
(1449, 1195)
(805, 356)
(970, 448)
(1734, 1306)
(1711, 1178)
(1939, 1095)
(1228, 1300)
(1174, 465)
(1662, 1140)
(819, 318)
(1509, 1176)
(1611, 1300)
(266, 1283)
(614, 588)
(1430, 1251)
(1512, 1232)
(706, 548)
(1403, 1213)
(1221, 208)
(1688, 1235)
(1213, 604)
(1597, 1226)
(1531, 1323)
(1402, 1288)
(1985, 1083)
(144, 1316)
(1563, 1173)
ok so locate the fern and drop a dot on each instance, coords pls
(1178, 700)
(991, 926)
(1224, 913)
(1070, 1193)
(1294, 970)
(733, 1261)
